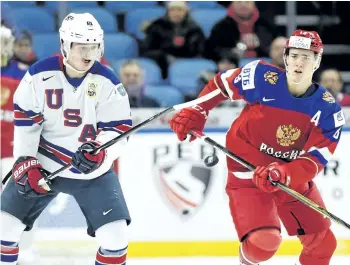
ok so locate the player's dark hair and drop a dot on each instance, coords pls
(24, 35)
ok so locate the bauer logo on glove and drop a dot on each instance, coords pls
(27, 171)
(23, 166)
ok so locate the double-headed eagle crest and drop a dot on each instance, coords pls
(271, 77)
(287, 134)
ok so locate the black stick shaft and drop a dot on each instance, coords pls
(135, 129)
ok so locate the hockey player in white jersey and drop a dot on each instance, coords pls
(64, 107)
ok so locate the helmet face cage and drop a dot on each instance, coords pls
(80, 28)
(307, 40)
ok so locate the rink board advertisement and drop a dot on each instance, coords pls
(179, 206)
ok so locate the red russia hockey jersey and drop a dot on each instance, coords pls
(275, 126)
(11, 75)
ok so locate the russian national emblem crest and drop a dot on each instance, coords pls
(328, 97)
(287, 134)
(271, 77)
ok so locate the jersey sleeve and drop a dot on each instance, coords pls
(28, 118)
(320, 146)
(113, 118)
(240, 83)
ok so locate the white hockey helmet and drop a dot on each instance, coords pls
(7, 41)
(83, 29)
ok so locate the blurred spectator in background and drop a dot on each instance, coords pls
(7, 17)
(242, 32)
(23, 50)
(225, 63)
(276, 51)
(332, 80)
(132, 77)
(173, 36)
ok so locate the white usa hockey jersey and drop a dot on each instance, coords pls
(55, 114)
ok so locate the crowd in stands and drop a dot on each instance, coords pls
(165, 52)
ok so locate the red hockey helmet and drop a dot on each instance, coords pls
(308, 40)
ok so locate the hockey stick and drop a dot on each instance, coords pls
(135, 129)
(8, 175)
(283, 187)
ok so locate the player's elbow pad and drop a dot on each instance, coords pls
(213, 102)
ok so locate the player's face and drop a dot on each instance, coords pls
(243, 8)
(277, 49)
(225, 65)
(331, 79)
(82, 56)
(177, 14)
(131, 75)
(23, 48)
(300, 64)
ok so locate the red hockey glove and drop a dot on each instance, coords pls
(276, 172)
(188, 119)
(27, 171)
(85, 162)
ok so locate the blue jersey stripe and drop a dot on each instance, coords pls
(24, 123)
(29, 113)
(51, 156)
(100, 69)
(8, 243)
(48, 64)
(57, 147)
(319, 157)
(9, 258)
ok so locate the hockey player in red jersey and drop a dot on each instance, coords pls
(289, 129)
(11, 74)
